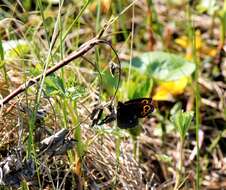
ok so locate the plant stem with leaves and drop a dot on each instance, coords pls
(182, 121)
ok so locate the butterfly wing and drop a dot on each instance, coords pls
(126, 116)
(129, 112)
(141, 106)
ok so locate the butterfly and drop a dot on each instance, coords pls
(129, 112)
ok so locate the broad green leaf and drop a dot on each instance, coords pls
(163, 66)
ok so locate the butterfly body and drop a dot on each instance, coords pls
(129, 112)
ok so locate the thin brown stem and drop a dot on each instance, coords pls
(179, 168)
(79, 53)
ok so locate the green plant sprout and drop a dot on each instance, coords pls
(182, 121)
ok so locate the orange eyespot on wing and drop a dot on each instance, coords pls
(145, 101)
(130, 111)
(146, 110)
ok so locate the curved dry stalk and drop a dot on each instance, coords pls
(79, 53)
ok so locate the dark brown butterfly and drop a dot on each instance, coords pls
(129, 112)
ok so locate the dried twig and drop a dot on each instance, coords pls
(79, 53)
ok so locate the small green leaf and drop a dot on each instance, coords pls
(182, 121)
(164, 158)
(54, 85)
(163, 66)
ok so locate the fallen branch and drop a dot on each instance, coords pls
(80, 52)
